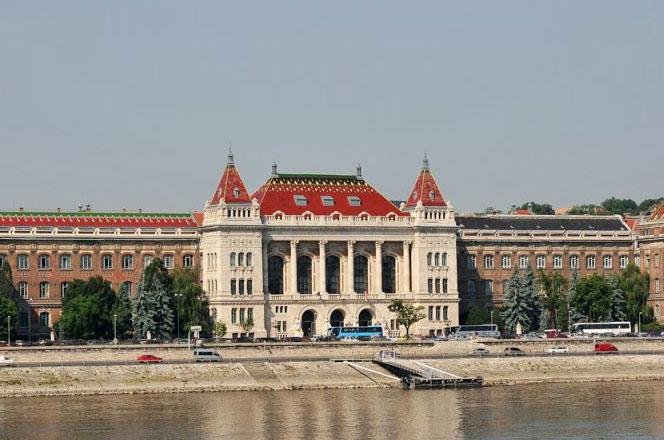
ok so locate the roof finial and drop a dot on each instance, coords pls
(231, 161)
(425, 163)
(274, 170)
(358, 171)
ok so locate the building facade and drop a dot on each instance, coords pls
(650, 252)
(307, 252)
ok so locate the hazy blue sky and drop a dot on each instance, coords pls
(133, 104)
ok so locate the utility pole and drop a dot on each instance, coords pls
(115, 329)
(9, 331)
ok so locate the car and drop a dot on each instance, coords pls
(558, 349)
(5, 361)
(480, 352)
(513, 351)
(149, 359)
(206, 355)
(605, 347)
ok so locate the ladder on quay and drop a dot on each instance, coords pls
(416, 374)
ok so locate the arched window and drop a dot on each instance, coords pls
(127, 261)
(44, 261)
(429, 256)
(128, 287)
(304, 274)
(444, 259)
(365, 318)
(250, 259)
(240, 259)
(361, 274)
(43, 289)
(390, 274)
(333, 274)
(232, 259)
(275, 275)
(23, 289)
(337, 318)
(436, 259)
(147, 259)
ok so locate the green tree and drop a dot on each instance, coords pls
(407, 314)
(156, 271)
(589, 209)
(122, 310)
(620, 206)
(87, 310)
(554, 298)
(143, 312)
(593, 298)
(618, 300)
(636, 286)
(531, 294)
(539, 208)
(522, 304)
(220, 329)
(649, 204)
(575, 314)
(164, 317)
(477, 316)
(247, 325)
(191, 301)
(8, 300)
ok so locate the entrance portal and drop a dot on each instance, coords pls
(337, 318)
(309, 323)
(365, 318)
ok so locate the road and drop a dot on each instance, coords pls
(93, 363)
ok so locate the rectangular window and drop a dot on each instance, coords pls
(608, 262)
(557, 262)
(574, 262)
(300, 200)
(472, 261)
(22, 262)
(471, 287)
(127, 262)
(430, 313)
(523, 261)
(506, 261)
(437, 285)
(489, 287)
(540, 261)
(233, 286)
(44, 319)
(437, 313)
(656, 260)
(188, 260)
(3, 258)
(63, 288)
(23, 289)
(241, 316)
(488, 261)
(250, 313)
(444, 285)
(107, 262)
(590, 262)
(43, 289)
(65, 262)
(23, 319)
(250, 287)
(86, 262)
(430, 285)
(327, 200)
(445, 313)
(354, 201)
(44, 262)
(637, 260)
(233, 316)
(240, 287)
(656, 285)
(147, 260)
(168, 261)
(624, 261)
(647, 261)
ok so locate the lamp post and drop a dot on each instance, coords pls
(492, 317)
(9, 331)
(569, 321)
(115, 329)
(29, 321)
(639, 331)
(177, 299)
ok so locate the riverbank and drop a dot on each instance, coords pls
(261, 376)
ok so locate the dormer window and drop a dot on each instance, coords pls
(327, 200)
(432, 195)
(354, 201)
(236, 192)
(300, 200)
(414, 195)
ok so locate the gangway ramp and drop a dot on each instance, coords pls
(416, 374)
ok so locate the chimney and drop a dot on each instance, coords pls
(512, 208)
(140, 210)
(530, 207)
(20, 209)
(274, 170)
(358, 171)
(57, 210)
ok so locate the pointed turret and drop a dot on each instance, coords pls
(231, 188)
(425, 190)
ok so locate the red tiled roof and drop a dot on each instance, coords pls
(279, 193)
(425, 190)
(198, 216)
(231, 188)
(657, 214)
(97, 219)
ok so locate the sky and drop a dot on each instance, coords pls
(134, 104)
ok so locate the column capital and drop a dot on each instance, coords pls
(294, 243)
(380, 242)
(351, 243)
(407, 242)
(322, 243)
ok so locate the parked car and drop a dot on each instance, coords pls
(6, 362)
(513, 351)
(558, 349)
(480, 352)
(149, 359)
(605, 347)
(206, 355)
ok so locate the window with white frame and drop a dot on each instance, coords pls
(22, 262)
(506, 261)
(188, 260)
(127, 261)
(624, 261)
(590, 262)
(128, 287)
(86, 262)
(637, 260)
(429, 258)
(444, 259)
(23, 289)
(168, 261)
(250, 259)
(523, 261)
(656, 285)
(472, 261)
(147, 259)
(107, 261)
(327, 200)
(540, 261)
(44, 319)
(65, 262)
(574, 262)
(607, 262)
(44, 261)
(354, 201)
(436, 259)
(647, 261)
(300, 200)
(43, 289)
(656, 260)
(557, 261)
(488, 285)
(488, 261)
(63, 288)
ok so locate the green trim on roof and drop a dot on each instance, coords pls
(91, 214)
(318, 176)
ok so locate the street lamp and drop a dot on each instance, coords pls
(569, 321)
(492, 317)
(9, 329)
(115, 328)
(177, 299)
(639, 322)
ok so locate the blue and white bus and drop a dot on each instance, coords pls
(481, 331)
(356, 332)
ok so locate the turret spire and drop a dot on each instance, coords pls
(425, 163)
(231, 160)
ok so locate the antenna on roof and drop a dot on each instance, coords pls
(231, 161)
(425, 163)
(274, 170)
(358, 171)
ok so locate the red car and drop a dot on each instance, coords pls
(605, 348)
(149, 359)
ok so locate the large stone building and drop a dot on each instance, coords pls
(305, 252)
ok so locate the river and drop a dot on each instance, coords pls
(589, 410)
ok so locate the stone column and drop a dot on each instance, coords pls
(406, 266)
(350, 271)
(321, 266)
(379, 267)
(264, 257)
(292, 279)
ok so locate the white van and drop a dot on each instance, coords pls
(206, 355)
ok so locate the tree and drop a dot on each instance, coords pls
(8, 300)
(193, 307)
(477, 316)
(247, 325)
(532, 297)
(620, 206)
(122, 310)
(589, 209)
(143, 312)
(163, 316)
(593, 298)
(156, 271)
(537, 208)
(554, 300)
(574, 314)
(220, 329)
(649, 204)
(521, 304)
(636, 286)
(618, 301)
(87, 310)
(407, 314)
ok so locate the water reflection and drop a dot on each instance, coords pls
(618, 410)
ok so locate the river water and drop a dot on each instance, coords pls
(592, 410)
